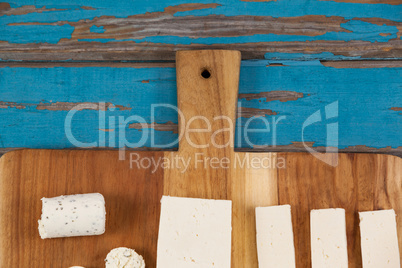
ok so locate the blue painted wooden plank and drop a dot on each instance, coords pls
(372, 36)
(283, 8)
(34, 103)
(55, 23)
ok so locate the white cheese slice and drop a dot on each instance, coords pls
(72, 215)
(379, 239)
(194, 233)
(328, 238)
(275, 246)
(124, 258)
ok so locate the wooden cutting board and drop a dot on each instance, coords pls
(133, 192)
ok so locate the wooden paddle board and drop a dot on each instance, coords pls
(207, 93)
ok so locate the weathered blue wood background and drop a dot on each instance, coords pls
(299, 56)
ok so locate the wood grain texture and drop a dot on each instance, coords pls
(360, 182)
(251, 186)
(246, 187)
(132, 199)
(125, 50)
(29, 175)
(205, 99)
(201, 100)
(341, 34)
(99, 31)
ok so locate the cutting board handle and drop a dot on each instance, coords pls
(207, 89)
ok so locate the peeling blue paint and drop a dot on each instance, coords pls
(306, 57)
(286, 8)
(295, 8)
(365, 27)
(96, 29)
(330, 36)
(35, 33)
(361, 93)
(282, 8)
(295, 63)
(300, 56)
(362, 27)
(364, 95)
(300, 59)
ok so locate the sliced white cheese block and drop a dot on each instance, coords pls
(328, 238)
(124, 258)
(379, 239)
(275, 245)
(72, 215)
(194, 233)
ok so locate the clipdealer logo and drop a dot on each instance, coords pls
(118, 125)
(330, 156)
(201, 161)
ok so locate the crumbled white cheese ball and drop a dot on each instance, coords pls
(124, 258)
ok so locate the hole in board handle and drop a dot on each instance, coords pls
(205, 73)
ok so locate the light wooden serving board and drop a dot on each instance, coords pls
(132, 194)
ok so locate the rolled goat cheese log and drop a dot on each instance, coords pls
(72, 215)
